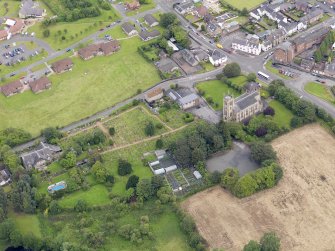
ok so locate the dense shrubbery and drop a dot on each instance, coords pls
(13, 137)
(232, 70)
(269, 242)
(52, 135)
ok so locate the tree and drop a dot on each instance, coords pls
(167, 19)
(252, 246)
(111, 131)
(270, 242)
(159, 144)
(51, 135)
(81, 206)
(54, 207)
(69, 161)
(203, 27)
(124, 167)
(229, 178)
(100, 172)
(157, 182)
(244, 12)
(149, 129)
(251, 77)
(245, 186)
(144, 189)
(46, 33)
(132, 182)
(232, 70)
(261, 151)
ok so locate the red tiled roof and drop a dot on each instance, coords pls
(62, 65)
(40, 84)
(12, 88)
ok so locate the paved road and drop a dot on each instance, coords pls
(39, 42)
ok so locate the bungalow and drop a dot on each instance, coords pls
(129, 29)
(154, 95)
(184, 8)
(63, 65)
(30, 9)
(167, 65)
(217, 58)
(41, 156)
(148, 35)
(150, 20)
(104, 49)
(12, 88)
(40, 85)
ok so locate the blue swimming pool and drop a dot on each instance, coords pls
(58, 187)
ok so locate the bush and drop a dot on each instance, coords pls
(149, 129)
(51, 135)
(81, 206)
(111, 131)
(296, 122)
(269, 111)
(124, 167)
(251, 77)
(229, 178)
(252, 246)
(270, 242)
(132, 182)
(245, 186)
(159, 144)
(216, 177)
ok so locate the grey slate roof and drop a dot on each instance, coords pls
(30, 8)
(189, 57)
(43, 151)
(147, 35)
(187, 99)
(150, 19)
(166, 65)
(127, 27)
(217, 55)
(246, 100)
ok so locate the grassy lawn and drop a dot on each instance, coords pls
(274, 70)
(74, 31)
(216, 90)
(240, 4)
(144, 7)
(129, 127)
(282, 115)
(12, 10)
(320, 91)
(173, 117)
(90, 87)
(239, 81)
(26, 223)
(95, 196)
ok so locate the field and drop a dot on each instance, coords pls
(12, 9)
(299, 209)
(28, 224)
(320, 91)
(82, 91)
(216, 90)
(240, 4)
(282, 115)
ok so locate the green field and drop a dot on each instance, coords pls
(95, 196)
(129, 127)
(282, 115)
(240, 4)
(27, 223)
(74, 31)
(216, 90)
(90, 87)
(320, 91)
(12, 9)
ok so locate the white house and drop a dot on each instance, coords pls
(250, 45)
(217, 58)
(255, 14)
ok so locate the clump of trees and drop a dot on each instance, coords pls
(269, 242)
(52, 135)
(232, 70)
(13, 137)
(324, 51)
(124, 167)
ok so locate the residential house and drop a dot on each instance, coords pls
(148, 35)
(185, 99)
(266, 45)
(217, 58)
(277, 37)
(129, 29)
(30, 9)
(134, 5)
(62, 65)
(319, 68)
(250, 44)
(284, 53)
(189, 57)
(150, 20)
(184, 8)
(289, 28)
(201, 56)
(312, 17)
(104, 49)
(228, 28)
(244, 106)
(307, 64)
(301, 5)
(3, 34)
(167, 65)
(213, 29)
(40, 157)
(4, 176)
(40, 84)
(154, 95)
(255, 14)
(12, 88)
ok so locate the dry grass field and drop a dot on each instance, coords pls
(300, 209)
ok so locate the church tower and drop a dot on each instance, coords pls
(228, 108)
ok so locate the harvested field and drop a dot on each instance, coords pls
(300, 209)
